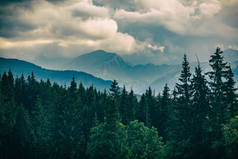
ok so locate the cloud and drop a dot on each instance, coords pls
(210, 9)
(154, 17)
(73, 26)
(194, 18)
(69, 28)
(89, 10)
(6, 44)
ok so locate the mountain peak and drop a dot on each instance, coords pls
(96, 58)
(231, 55)
(101, 53)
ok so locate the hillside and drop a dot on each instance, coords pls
(110, 66)
(19, 67)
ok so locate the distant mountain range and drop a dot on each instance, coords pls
(110, 66)
(19, 67)
(231, 55)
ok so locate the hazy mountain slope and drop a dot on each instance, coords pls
(101, 64)
(111, 66)
(231, 55)
(19, 67)
(139, 77)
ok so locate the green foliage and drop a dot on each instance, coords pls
(217, 76)
(144, 142)
(106, 143)
(230, 133)
(197, 120)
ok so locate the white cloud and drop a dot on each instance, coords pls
(210, 8)
(171, 14)
(156, 48)
(101, 28)
(155, 17)
(6, 44)
(89, 10)
(70, 25)
(196, 17)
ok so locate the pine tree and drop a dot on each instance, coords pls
(200, 112)
(41, 129)
(7, 113)
(107, 140)
(230, 95)
(180, 134)
(20, 90)
(32, 91)
(132, 104)
(123, 106)
(23, 134)
(163, 112)
(142, 112)
(114, 90)
(184, 87)
(217, 84)
(112, 115)
(219, 112)
(152, 109)
(200, 99)
(184, 92)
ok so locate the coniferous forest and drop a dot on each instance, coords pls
(198, 119)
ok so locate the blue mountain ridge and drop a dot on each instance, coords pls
(111, 66)
(19, 67)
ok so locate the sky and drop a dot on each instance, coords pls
(142, 31)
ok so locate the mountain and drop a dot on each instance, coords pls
(231, 55)
(101, 64)
(19, 67)
(110, 66)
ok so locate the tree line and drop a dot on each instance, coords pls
(197, 119)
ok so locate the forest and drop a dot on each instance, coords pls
(198, 119)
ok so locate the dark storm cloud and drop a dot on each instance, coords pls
(229, 15)
(117, 4)
(11, 27)
(155, 30)
(7, 2)
(67, 28)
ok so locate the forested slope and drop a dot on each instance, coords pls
(197, 119)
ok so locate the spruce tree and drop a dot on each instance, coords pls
(183, 105)
(219, 113)
(163, 111)
(230, 94)
(20, 90)
(200, 112)
(184, 85)
(41, 129)
(112, 115)
(217, 84)
(152, 111)
(23, 135)
(123, 106)
(181, 132)
(107, 140)
(132, 104)
(142, 112)
(114, 90)
(7, 114)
